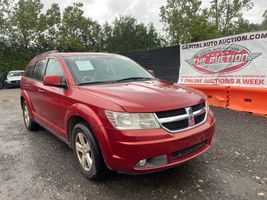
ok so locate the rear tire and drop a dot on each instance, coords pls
(29, 123)
(87, 152)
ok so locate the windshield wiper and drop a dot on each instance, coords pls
(95, 82)
(134, 79)
(116, 81)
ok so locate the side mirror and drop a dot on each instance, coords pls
(54, 80)
(151, 72)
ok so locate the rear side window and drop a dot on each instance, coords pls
(54, 67)
(39, 70)
(29, 69)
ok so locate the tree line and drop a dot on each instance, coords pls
(27, 29)
(186, 21)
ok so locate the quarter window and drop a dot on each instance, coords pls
(39, 70)
(29, 69)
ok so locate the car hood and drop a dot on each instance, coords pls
(14, 78)
(146, 96)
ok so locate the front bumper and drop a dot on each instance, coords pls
(127, 147)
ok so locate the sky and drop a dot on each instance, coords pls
(144, 10)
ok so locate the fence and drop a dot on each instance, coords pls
(164, 61)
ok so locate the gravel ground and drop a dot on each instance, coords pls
(36, 165)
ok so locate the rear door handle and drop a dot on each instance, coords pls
(41, 90)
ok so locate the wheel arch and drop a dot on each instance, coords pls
(83, 113)
(72, 121)
(25, 97)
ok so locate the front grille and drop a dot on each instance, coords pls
(198, 107)
(183, 118)
(170, 113)
(200, 118)
(176, 125)
(178, 154)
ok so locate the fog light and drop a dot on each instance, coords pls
(142, 163)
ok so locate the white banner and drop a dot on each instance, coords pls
(239, 60)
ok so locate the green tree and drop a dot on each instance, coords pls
(185, 21)
(227, 15)
(105, 37)
(242, 26)
(264, 22)
(5, 13)
(26, 23)
(24, 27)
(14, 38)
(126, 34)
(49, 39)
(77, 32)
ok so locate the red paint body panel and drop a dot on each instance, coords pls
(148, 96)
(122, 149)
(128, 147)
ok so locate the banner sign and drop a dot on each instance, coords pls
(239, 60)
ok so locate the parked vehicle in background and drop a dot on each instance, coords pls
(114, 113)
(13, 79)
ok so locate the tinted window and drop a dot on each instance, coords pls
(28, 71)
(39, 70)
(54, 67)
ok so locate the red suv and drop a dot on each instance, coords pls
(113, 113)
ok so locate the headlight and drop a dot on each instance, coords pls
(127, 121)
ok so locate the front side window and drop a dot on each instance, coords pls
(54, 67)
(39, 70)
(92, 69)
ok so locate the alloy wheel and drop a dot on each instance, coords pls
(26, 115)
(83, 151)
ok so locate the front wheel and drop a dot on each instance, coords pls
(87, 152)
(29, 123)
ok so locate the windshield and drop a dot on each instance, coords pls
(10, 74)
(93, 69)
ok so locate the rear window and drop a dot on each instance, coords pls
(39, 70)
(29, 69)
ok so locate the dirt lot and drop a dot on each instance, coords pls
(36, 165)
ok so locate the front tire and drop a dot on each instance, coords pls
(29, 123)
(87, 152)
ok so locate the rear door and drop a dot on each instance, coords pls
(26, 81)
(35, 87)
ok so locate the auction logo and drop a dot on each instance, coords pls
(222, 59)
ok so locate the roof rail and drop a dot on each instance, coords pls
(48, 52)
